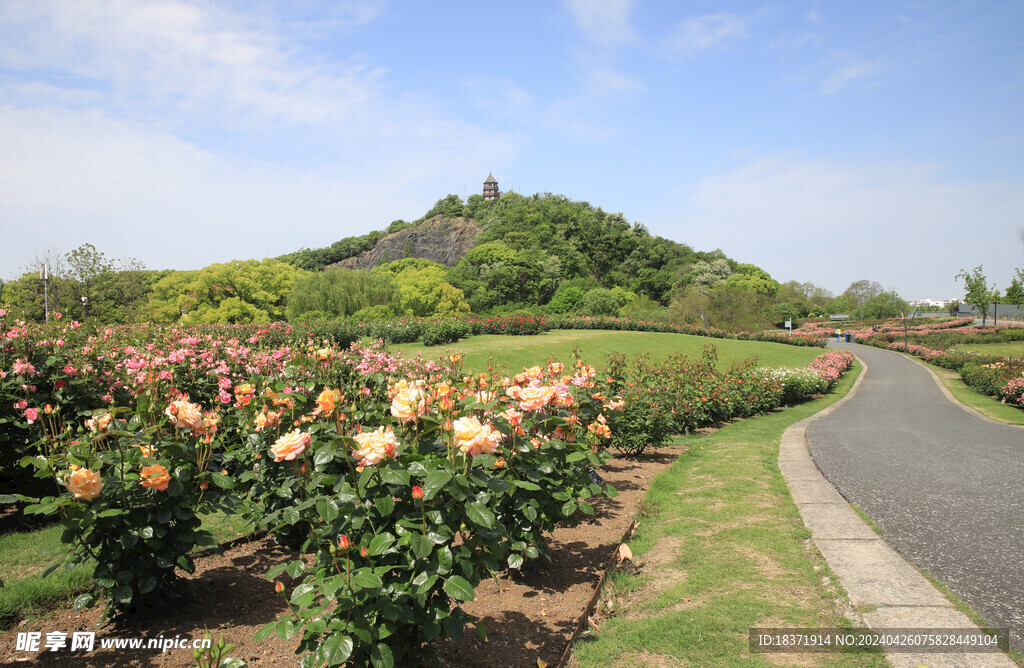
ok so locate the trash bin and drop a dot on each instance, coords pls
(850, 338)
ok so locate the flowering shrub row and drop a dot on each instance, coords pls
(408, 480)
(680, 393)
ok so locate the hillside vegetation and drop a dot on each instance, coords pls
(540, 254)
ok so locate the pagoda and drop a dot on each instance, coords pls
(490, 187)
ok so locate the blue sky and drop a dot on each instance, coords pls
(823, 141)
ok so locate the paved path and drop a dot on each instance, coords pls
(945, 485)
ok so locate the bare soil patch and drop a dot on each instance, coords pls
(529, 615)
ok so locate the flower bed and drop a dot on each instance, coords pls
(407, 480)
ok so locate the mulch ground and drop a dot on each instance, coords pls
(529, 615)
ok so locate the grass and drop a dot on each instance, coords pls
(24, 556)
(968, 396)
(516, 352)
(1010, 349)
(723, 550)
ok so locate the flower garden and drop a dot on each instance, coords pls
(936, 342)
(400, 484)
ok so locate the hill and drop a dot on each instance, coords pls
(524, 250)
(442, 240)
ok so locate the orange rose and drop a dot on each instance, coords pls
(84, 484)
(146, 450)
(244, 392)
(100, 423)
(475, 438)
(155, 477)
(535, 398)
(327, 402)
(290, 446)
(184, 414)
(409, 404)
(376, 446)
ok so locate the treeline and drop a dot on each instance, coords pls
(543, 254)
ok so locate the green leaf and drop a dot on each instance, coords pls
(122, 594)
(327, 510)
(275, 571)
(575, 457)
(380, 544)
(380, 656)
(385, 505)
(421, 545)
(285, 629)
(223, 481)
(434, 482)
(304, 595)
(515, 561)
(479, 514)
(481, 631)
(568, 508)
(522, 484)
(394, 476)
(265, 632)
(336, 649)
(530, 513)
(174, 488)
(86, 600)
(367, 579)
(459, 588)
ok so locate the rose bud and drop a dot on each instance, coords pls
(279, 587)
(417, 492)
(344, 543)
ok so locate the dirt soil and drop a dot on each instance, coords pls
(529, 615)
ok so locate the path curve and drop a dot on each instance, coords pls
(944, 484)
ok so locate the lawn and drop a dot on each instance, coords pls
(517, 352)
(722, 549)
(1010, 349)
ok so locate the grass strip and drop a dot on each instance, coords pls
(721, 549)
(24, 556)
(516, 352)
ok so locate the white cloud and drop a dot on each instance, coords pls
(184, 58)
(850, 73)
(603, 22)
(146, 128)
(706, 32)
(903, 225)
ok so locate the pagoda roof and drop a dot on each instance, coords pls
(490, 178)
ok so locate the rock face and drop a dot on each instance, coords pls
(443, 240)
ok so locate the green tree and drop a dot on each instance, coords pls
(422, 288)
(1015, 292)
(976, 290)
(881, 306)
(861, 291)
(600, 301)
(341, 292)
(755, 279)
(85, 266)
(239, 291)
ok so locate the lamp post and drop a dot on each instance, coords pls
(85, 306)
(44, 275)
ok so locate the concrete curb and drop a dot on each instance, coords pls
(890, 591)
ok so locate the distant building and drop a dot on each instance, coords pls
(490, 187)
